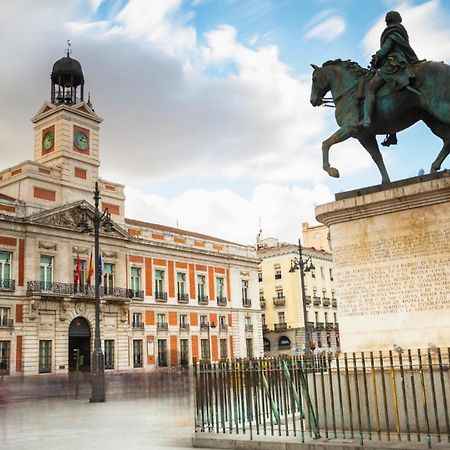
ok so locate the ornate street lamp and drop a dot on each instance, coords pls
(98, 359)
(304, 266)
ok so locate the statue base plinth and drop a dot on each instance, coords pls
(391, 256)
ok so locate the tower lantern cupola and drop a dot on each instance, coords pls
(66, 78)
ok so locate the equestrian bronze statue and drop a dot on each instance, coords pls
(398, 91)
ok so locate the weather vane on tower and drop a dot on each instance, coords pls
(69, 48)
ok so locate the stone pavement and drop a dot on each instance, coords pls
(151, 413)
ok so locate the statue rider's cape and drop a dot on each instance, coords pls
(395, 57)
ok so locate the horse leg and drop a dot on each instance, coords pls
(369, 142)
(341, 135)
(441, 130)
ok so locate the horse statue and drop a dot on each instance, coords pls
(394, 110)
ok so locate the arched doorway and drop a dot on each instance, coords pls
(80, 338)
(284, 343)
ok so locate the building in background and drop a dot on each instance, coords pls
(316, 236)
(281, 299)
(168, 295)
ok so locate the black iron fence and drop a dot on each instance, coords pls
(386, 396)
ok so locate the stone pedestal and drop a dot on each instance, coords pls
(391, 256)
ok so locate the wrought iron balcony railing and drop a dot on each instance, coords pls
(204, 326)
(203, 299)
(7, 285)
(248, 327)
(182, 298)
(221, 301)
(262, 302)
(326, 301)
(282, 326)
(246, 302)
(161, 296)
(223, 327)
(162, 326)
(334, 303)
(7, 323)
(279, 301)
(137, 295)
(70, 289)
(329, 326)
(319, 326)
(316, 301)
(307, 299)
(138, 325)
(184, 327)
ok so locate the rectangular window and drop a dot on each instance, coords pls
(322, 273)
(204, 345)
(181, 283)
(249, 344)
(160, 318)
(263, 319)
(109, 354)
(137, 353)
(137, 320)
(331, 274)
(183, 320)
(45, 356)
(281, 317)
(203, 320)
(46, 272)
(201, 287)
(316, 316)
(222, 321)
(79, 274)
(280, 293)
(184, 352)
(5, 351)
(260, 277)
(244, 289)
(5, 270)
(159, 283)
(5, 317)
(278, 274)
(223, 349)
(135, 280)
(220, 287)
(108, 278)
(162, 352)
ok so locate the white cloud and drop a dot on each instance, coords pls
(225, 214)
(427, 25)
(325, 26)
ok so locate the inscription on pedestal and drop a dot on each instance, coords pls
(402, 273)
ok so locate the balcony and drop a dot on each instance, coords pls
(7, 285)
(203, 299)
(204, 326)
(307, 299)
(262, 302)
(336, 326)
(161, 296)
(316, 301)
(137, 295)
(334, 303)
(182, 298)
(265, 328)
(246, 302)
(248, 327)
(319, 326)
(329, 326)
(184, 327)
(73, 290)
(279, 301)
(7, 323)
(310, 325)
(162, 326)
(326, 301)
(223, 327)
(282, 326)
(221, 301)
(137, 325)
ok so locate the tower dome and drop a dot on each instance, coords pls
(66, 77)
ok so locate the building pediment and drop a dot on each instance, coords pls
(69, 217)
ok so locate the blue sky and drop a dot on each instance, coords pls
(206, 110)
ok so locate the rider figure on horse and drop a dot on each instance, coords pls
(392, 66)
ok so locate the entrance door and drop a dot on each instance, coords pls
(80, 339)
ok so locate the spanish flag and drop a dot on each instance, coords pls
(91, 270)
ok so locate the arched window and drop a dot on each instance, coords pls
(266, 345)
(284, 342)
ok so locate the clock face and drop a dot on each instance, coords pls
(48, 140)
(81, 140)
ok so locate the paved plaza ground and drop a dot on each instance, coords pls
(140, 413)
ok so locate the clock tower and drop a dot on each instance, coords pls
(66, 150)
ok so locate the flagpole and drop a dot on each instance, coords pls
(98, 358)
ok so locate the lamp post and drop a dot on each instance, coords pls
(98, 359)
(304, 266)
